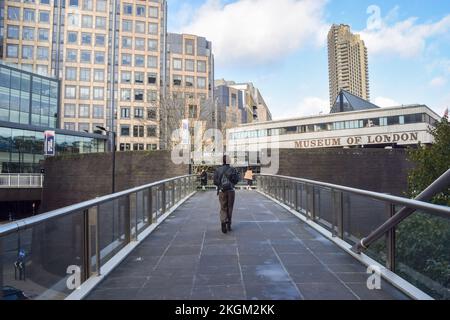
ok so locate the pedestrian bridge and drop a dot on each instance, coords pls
(291, 239)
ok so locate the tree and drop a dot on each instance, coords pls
(423, 239)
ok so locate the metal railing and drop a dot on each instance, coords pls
(21, 180)
(51, 250)
(416, 250)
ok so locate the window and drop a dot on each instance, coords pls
(71, 55)
(127, 25)
(73, 19)
(99, 75)
(140, 11)
(69, 111)
(12, 51)
(86, 38)
(153, 12)
(153, 28)
(69, 126)
(71, 73)
(98, 93)
(189, 65)
(13, 32)
(83, 111)
(177, 79)
(125, 77)
(29, 15)
(44, 16)
(125, 147)
(139, 44)
(43, 35)
(138, 95)
(72, 37)
(139, 77)
(201, 66)
(101, 5)
(189, 80)
(99, 57)
(85, 56)
(87, 5)
(127, 9)
(85, 93)
(85, 74)
(201, 82)
(152, 62)
(70, 92)
(125, 94)
(83, 127)
(189, 47)
(152, 45)
(193, 111)
(86, 21)
(99, 40)
(138, 147)
(138, 131)
(127, 42)
(177, 64)
(152, 96)
(151, 114)
(139, 113)
(100, 22)
(97, 112)
(125, 130)
(13, 13)
(139, 27)
(73, 3)
(151, 78)
(27, 33)
(124, 113)
(126, 59)
(139, 61)
(44, 1)
(152, 131)
(383, 121)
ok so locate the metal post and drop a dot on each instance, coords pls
(1, 262)
(390, 254)
(173, 194)
(163, 198)
(127, 216)
(338, 228)
(296, 196)
(86, 272)
(114, 163)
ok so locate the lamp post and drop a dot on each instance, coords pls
(113, 134)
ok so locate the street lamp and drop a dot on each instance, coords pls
(113, 155)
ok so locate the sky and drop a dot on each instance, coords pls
(280, 46)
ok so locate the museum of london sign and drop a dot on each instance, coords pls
(404, 138)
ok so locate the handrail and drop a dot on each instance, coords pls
(32, 221)
(432, 208)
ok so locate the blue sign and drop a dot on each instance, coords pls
(49, 145)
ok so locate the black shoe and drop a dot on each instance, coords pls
(224, 227)
(229, 226)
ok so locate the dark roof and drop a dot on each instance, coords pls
(351, 103)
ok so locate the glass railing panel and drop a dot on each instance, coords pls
(422, 254)
(323, 207)
(36, 261)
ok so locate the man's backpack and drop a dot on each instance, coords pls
(229, 179)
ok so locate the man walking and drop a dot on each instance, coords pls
(225, 178)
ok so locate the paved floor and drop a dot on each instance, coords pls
(270, 254)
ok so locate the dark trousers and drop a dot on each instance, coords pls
(226, 200)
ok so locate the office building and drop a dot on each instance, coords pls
(348, 67)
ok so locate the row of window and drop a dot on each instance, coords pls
(84, 93)
(88, 5)
(87, 21)
(84, 74)
(138, 131)
(189, 81)
(139, 44)
(28, 33)
(138, 95)
(189, 65)
(28, 52)
(139, 113)
(340, 125)
(83, 127)
(139, 10)
(28, 15)
(139, 27)
(84, 111)
(137, 147)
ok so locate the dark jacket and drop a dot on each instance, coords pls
(219, 173)
(204, 178)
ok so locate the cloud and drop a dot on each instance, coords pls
(308, 106)
(438, 82)
(259, 31)
(385, 102)
(406, 38)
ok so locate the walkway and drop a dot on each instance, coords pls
(270, 254)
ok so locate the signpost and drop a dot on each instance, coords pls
(49, 143)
